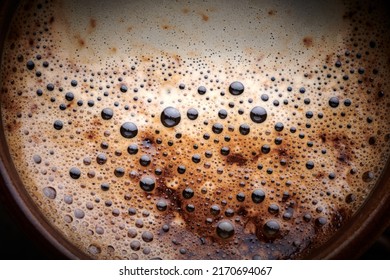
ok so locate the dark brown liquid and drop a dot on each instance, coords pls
(197, 131)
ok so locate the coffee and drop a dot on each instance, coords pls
(197, 130)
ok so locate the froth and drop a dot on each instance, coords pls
(196, 131)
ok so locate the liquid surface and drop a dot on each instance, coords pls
(194, 130)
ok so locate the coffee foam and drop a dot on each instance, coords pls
(205, 187)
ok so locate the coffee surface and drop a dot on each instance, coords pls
(197, 130)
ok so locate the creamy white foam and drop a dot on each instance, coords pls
(218, 182)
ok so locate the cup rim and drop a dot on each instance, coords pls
(12, 191)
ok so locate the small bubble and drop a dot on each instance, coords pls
(139, 223)
(94, 249)
(264, 97)
(79, 214)
(217, 128)
(146, 251)
(132, 232)
(192, 114)
(222, 114)
(37, 159)
(258, 196)
(287, 216)
(68, 199)
(68, 219)
(309, 114)
(309, 165)
(190, 208)
(91, 103)
(75, 173)
(165, 228)
(225, 229)
(181, 169)
(347, 102)
(183, 251)
(202, 90)
(321, 221)
(135, 245)
(215, 210)
(240, 197)
(350, 198)
(244, 129)
(236, 88)
(229, 212)
(334, 102)
(58, 125)
(225, 151)
(50, 87)
(132, 149)
(30, 65)
(147, 236)
(273, 209)
(107, 113)
(145, 160)
(271, 228)
(368, 176)
(196, 158)
(129, 130)
(188, 193)
(132, 211)
(69, 96)
(307, 217)
(105, 186)
(278, 140)
(123, 88)
(147, 183)
(50, 192)
(101, 159)
(279, 126)
(258, 114)
(161, 205)
(170, 117)
(265, 149)
(119, 172)
(99, 230)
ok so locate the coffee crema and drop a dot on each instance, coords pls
(196, 129)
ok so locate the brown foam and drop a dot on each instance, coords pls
(154, 59)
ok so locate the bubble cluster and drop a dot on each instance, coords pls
(243, 138)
